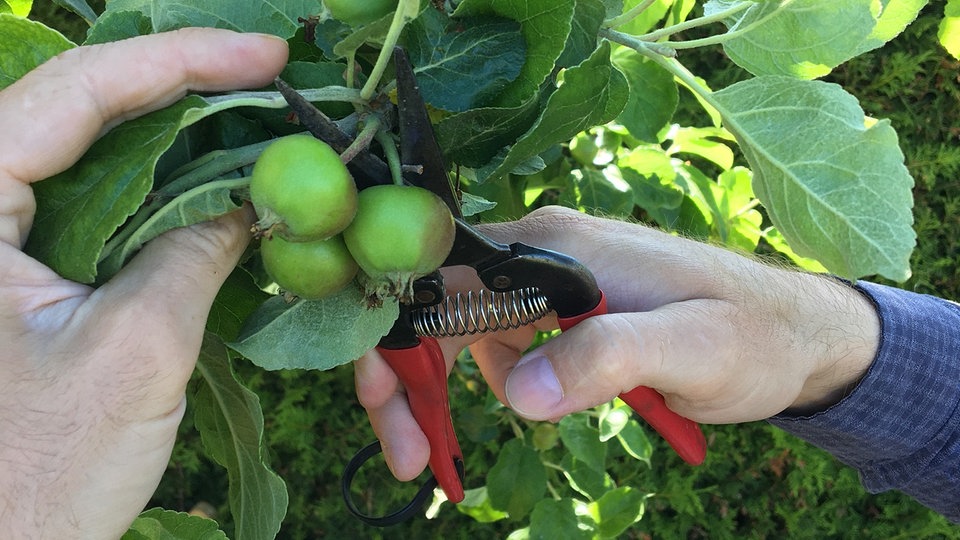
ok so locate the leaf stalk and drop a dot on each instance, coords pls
(624, 18)
(407, 10)
(668, 31)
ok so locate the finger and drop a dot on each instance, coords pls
(498, 353)
(61, 107)
(681, 350)
(666, 268)
(405, 447)
(380, 392)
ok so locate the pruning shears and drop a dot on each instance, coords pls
(523, 283)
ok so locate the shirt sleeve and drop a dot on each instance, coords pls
(900, 427)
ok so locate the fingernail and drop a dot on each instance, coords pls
(265, 35)
(532, 388)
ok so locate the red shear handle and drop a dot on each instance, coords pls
(423, 373)
(681, 433)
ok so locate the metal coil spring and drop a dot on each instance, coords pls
(481, 311)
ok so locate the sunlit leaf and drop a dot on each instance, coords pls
(949, 31)
(24, 45)
(802, 38)
(476, 504)
(613, 421)
(634, 440)
(585, 479)
(895, 15)
(619, 509)
(837, 189)
(19, 8)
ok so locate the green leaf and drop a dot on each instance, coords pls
(472, 138)
(588, 16)
(776, 240)
(585, 479)
(545, 436)
(949, 31)
(613, 421)
(472, 204)
(278, 17)
(466, 63)
(563, 518)
(650, 173)
(476, 424)
(236, 300)
(894, 17)
(832, 181)
(230, 422)
(619, 509)
(80, 208)
(739, 222)
(347, 40)
(17, 8)
(653, 95)
(24, 45)
(203, 203)
(648, 18)
(315, 334)
(545, 25)
(118, 25)
(517, 480)
(160, 524)
(633, 439)
(591, 94)
(81, 8)
(803, 38)
(594, 191)
(702, 142)
(476, 504)
(583, 441)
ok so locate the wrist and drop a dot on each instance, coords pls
(844, 327)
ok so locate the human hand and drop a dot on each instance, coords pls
(723, 337)
(92, 381)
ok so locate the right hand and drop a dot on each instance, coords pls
(724, 337)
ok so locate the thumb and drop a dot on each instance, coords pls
(176, 276)
(607, 355)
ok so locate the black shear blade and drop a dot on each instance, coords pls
(418, 143)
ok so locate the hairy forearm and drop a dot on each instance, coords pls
(844, 334)
(900, 425)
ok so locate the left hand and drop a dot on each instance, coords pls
(92, 381)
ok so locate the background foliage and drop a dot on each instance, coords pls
(757, 483)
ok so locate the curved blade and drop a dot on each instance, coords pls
(418, 143)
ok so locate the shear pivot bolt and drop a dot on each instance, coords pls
(425, 297)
